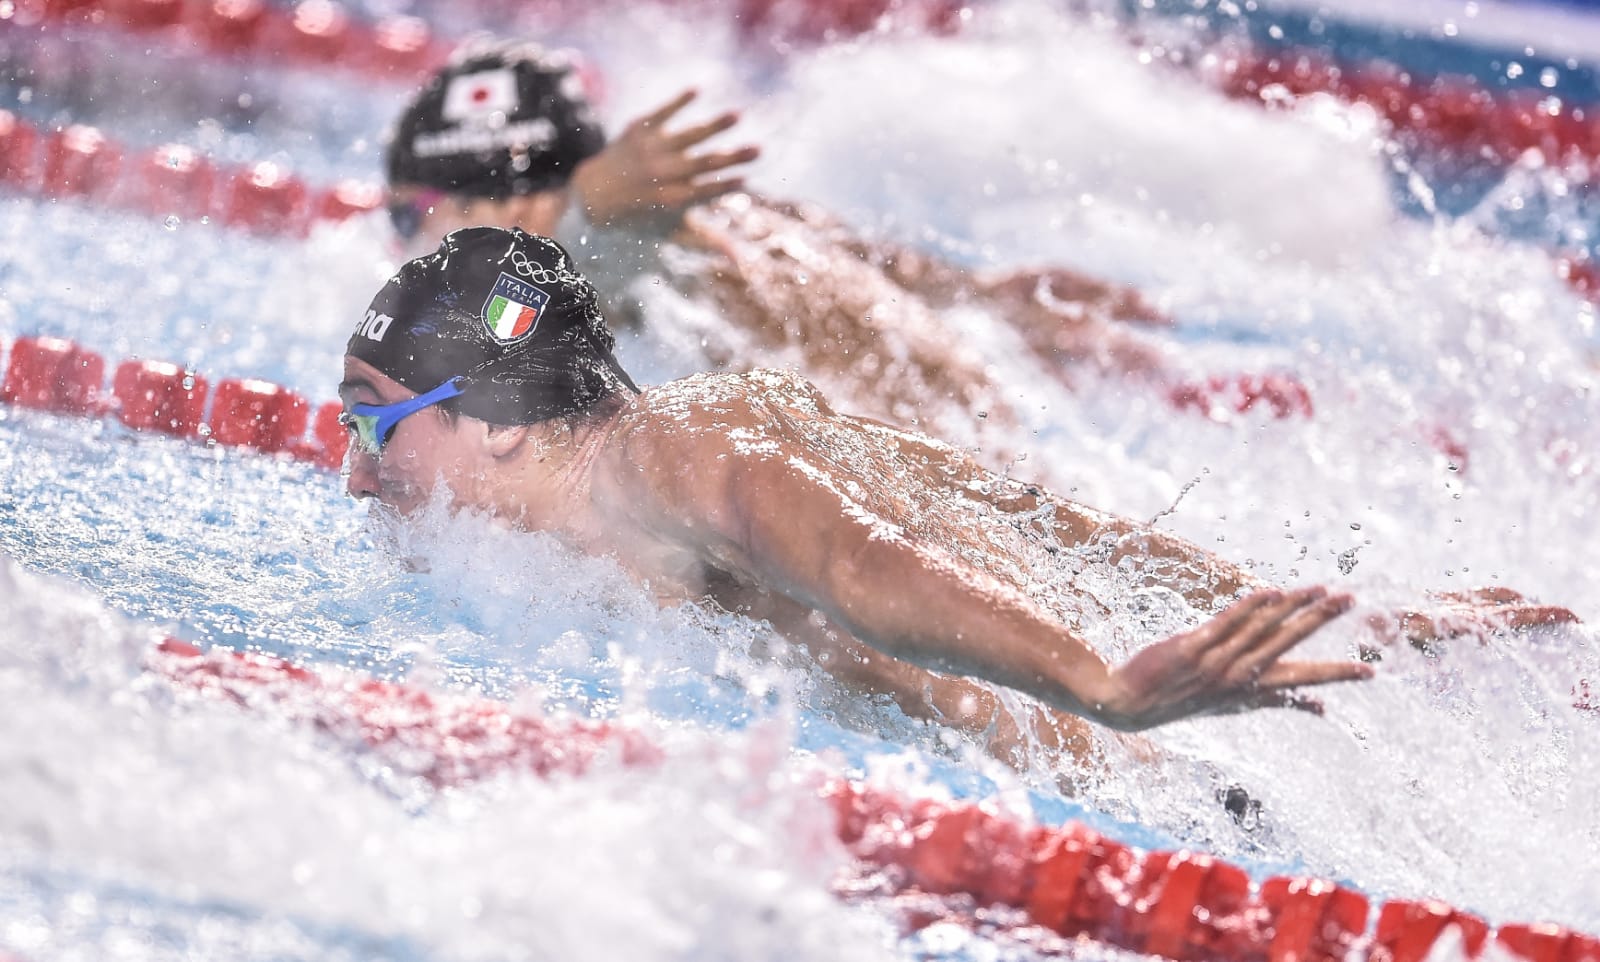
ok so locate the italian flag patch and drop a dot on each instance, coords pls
(513, 308)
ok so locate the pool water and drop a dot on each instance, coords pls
(143, 823)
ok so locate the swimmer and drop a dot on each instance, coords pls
(487, 368)
(504, 135)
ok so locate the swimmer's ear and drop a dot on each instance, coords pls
(504, 439)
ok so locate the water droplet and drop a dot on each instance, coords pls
(172, 222)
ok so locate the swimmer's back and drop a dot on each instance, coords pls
(704, 455)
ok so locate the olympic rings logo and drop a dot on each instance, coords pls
(535, 272)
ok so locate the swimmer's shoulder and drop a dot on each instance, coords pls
(699, 430)
(679, 456)
(720, 402)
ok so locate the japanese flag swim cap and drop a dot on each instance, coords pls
(506, 312)
(501, 119)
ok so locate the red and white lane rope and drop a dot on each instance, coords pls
(57, 375)
(323, 34)
(63, 377)
(313, 33)
(1069, 880)
(80, 162)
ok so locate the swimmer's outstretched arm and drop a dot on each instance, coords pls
(767, 511)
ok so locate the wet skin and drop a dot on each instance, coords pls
(751, 490)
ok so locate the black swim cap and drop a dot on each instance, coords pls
(502, 119)
(506, 312)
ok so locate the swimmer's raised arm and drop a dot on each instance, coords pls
(734, 485)
(651, 173)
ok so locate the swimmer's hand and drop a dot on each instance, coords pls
(648, 175)
(1477, 611)
(1229, 664)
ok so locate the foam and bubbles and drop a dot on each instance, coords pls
(238, 829)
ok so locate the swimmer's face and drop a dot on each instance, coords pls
(537, 213)
(424, 450)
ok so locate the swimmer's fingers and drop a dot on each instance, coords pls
(1304, 674)
(665, 112)
(1223, 662)
(694, 135)
(1224, 626)
(1191, 664)
(685, 194)
(1541, 616)
(1519, 617)
(1245, 625)
(1279, 687)
(1471, 618)
(1254, 661)
(713, 161)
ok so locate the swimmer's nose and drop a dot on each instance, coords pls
(363, 479)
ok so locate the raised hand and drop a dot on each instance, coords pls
(1230, 663)
(651, 174)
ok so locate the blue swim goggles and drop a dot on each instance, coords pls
(373, 423)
